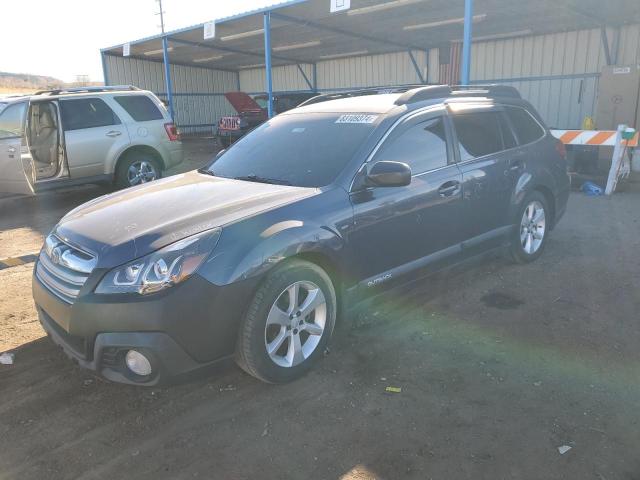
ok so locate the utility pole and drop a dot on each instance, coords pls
(161, 13)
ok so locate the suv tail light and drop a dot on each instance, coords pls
(172, 132)
(561, 149)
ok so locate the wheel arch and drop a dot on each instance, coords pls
(142, 149)
(551, 201)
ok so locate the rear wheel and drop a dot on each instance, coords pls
(289, 322)
(136, 169)
(529, 239)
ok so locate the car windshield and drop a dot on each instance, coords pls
(305, 150)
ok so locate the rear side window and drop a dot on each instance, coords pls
(527, 128)
(478, 133)
(140, 107)
(422, 146)
(86, 113)
(12, 120)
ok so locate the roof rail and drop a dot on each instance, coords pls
(490, 90)
(424, 93)
(325, 97)
(77, 90)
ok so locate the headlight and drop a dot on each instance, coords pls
(162, 269)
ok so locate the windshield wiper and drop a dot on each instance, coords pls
(206, 171)
(258, 179)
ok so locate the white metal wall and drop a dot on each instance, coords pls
(197, 92)
(286, 78)
(557, 73)
(336, 74)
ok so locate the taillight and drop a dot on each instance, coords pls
(172, 132)
(561, 149)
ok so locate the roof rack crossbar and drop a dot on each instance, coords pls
(492, 90)
(359, 92)
(74, 90)
(430, 92)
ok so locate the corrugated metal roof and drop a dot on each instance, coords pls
(304, 31)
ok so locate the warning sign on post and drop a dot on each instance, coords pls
(339, 5)
(209, 30)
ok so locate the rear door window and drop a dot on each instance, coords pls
(422, 146)
(479, 134)
(140, 107)
(86, 113)
(12, 120)
(526, 127)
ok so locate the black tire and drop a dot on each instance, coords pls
(122, 175)
(251, 351)
(518, 248)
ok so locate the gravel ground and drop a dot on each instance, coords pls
(498, 365)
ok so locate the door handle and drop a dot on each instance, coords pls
(449, 188)
(11, 151)
(516, 166)
(113, 133)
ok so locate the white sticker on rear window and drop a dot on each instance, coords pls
(356, 118)
(298, 130)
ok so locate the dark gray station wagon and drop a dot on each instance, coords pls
(256, 255)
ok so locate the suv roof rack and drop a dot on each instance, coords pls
(430, 92)
(77, 90)
(359, 92)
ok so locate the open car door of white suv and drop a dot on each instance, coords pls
(15, 160)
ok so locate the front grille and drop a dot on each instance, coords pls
(63, 269)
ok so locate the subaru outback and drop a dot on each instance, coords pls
(256, 255)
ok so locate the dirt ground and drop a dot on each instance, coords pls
(498, 365)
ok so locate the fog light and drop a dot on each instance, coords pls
(138, 363)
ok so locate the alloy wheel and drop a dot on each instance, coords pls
(532, 227)
(141, 171)
(295, 324)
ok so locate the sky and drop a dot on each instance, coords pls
(63, 38)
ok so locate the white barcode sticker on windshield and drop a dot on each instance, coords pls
(356, 118)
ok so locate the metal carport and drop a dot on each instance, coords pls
(288, 43)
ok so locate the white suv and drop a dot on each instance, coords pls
(58, 138)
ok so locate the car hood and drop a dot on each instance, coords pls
(125, 225)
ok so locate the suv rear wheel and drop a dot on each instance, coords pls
(137, 168)
(532, 222)
(288, 324)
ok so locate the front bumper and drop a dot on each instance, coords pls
(182, 329)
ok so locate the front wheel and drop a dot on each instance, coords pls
(288, 324)
(530, 236)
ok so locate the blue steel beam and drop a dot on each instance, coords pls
(466, 42)
(415, 65)
(167, 77)
(304, 75)
(267, 61)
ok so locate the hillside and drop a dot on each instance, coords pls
(22, 82)
(26, 83)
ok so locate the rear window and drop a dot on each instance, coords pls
(140, 107)
(307, 150)
(86, 113)
(479, 134)
(527, 128)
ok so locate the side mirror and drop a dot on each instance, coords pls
(219, 154)
(388, 174)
